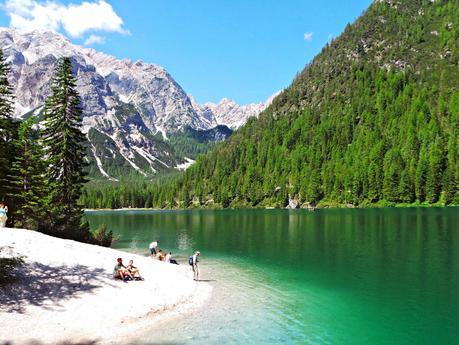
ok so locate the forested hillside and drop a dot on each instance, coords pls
(373, 119)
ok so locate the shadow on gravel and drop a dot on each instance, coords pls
(90, 342)
(46, 286)
(33, 342)
(85, 342)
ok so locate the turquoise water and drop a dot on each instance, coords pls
(376, 276)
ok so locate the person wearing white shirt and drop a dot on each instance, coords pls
(153, 245)
(195, 265)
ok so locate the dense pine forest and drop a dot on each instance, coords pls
(372, 120)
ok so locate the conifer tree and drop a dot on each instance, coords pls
(7, 127)
(434, 172)
(63, 144)
(27, 177)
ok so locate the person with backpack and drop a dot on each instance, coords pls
(193, 262)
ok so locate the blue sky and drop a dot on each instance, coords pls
(243, 50)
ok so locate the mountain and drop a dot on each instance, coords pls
(373, 119)
(229, 113)
(130, 108)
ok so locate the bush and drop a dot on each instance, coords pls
(7, 265)
(102, 236)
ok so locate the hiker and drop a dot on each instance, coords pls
(3, 212)
(120, 271)
(133, 270)
(193, 261)
(153, 245)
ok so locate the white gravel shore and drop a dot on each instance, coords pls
(65, 293)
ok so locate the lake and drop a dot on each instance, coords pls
(350, 276)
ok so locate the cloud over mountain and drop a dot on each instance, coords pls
(74, 19)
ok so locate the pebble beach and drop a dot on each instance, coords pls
(64, 293)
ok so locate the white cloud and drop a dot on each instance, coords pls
(308, 36)
(94, 39)
(75, 20)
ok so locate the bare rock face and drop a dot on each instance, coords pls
(103, 81)
(129, 108)
(229, 113)
(163, 104)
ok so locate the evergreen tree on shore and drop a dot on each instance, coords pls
(27, 177)
(63, 145)
(7, 127)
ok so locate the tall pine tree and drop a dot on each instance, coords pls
(7, 129)
(27, 177)
(63, 144)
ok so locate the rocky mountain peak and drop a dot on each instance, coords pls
(227, 112)
(130, 108)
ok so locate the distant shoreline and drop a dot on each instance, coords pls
(326, 207)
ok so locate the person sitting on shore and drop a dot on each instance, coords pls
(170, 260)
(133, 270)
(161, 256)
(173, 261)
(3, 212)
(120, 271)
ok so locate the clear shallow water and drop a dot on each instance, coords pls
(376, 276)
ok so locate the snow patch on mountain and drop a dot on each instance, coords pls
(227, 112)
(186, 165)
(99, 164)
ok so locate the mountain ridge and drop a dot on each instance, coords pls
(130, 106)
(372, 120)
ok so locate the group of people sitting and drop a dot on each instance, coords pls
(125, 273)
(160, 255)
(130, 272)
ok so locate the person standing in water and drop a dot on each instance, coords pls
(3, 212)
(193, 261)
(153, 245)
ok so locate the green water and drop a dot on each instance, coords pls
(376, 276)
